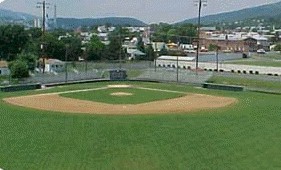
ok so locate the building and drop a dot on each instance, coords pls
(4, 69)
(51, 65)
(134, 53)
(158, 46)
(231, 43)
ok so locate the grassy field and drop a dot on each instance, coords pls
(246, 136)
(257, 63)
(269, 60)
(138, 96)
(250, 83)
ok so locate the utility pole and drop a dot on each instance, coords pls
(55, 17)
(177, 68)
(66, 55)
(120, 52)
(199, 3)
(217, 57)
(43, 5)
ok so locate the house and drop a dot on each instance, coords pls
(134, 53)
(52, 65)
(4, 70)
(158, 46)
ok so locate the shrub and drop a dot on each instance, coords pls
(19, 69)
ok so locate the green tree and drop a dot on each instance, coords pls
(113, 50)
(277, 47)
(150, 52)
(95, 49)
(53, 47)
(30, 59)
(19, 69)
(140, 45)
(163, 51)
(212, 47)
(75, 46)
(13, 39)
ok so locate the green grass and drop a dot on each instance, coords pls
(250, 83)
(244, 136)
(269, 60)
(257, 63)
(138, 96)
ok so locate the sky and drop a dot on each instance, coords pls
(148, 11)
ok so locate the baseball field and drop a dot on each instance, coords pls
(138, 125)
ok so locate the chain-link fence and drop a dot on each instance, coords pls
(136, 70)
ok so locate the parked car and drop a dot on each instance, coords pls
(261, 51)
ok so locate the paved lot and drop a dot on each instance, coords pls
(223, 66)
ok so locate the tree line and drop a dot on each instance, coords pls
(23, 47)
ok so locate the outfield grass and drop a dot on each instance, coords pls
(138, 96)
(250, 83)
(246, 136)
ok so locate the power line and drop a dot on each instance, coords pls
(43, 5)
(200, 3)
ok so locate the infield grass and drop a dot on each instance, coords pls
(137, 95)
(245, 136)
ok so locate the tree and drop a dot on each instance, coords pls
(150, 52)
(95, 49)
(30, 59)
(13, 39)
(75, 45)
(277, 47)
(140, 45)
(53, 47)
(163, 51)
(212, 47)
(113, 49)
(19, 69)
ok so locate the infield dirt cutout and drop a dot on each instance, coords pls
(187, 103)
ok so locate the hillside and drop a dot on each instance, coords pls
(70, 23)
(264, 11)
(8, 15)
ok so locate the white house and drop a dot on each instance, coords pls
(52, 65)
(133, 52)
(4, 70)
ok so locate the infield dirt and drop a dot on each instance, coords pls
(185, 104)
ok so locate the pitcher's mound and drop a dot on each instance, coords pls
(119, 86)
(121, 94)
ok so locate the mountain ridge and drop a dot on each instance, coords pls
(268, 10)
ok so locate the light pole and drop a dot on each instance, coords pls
(199, 3)
(43, 5)
(217, 57)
